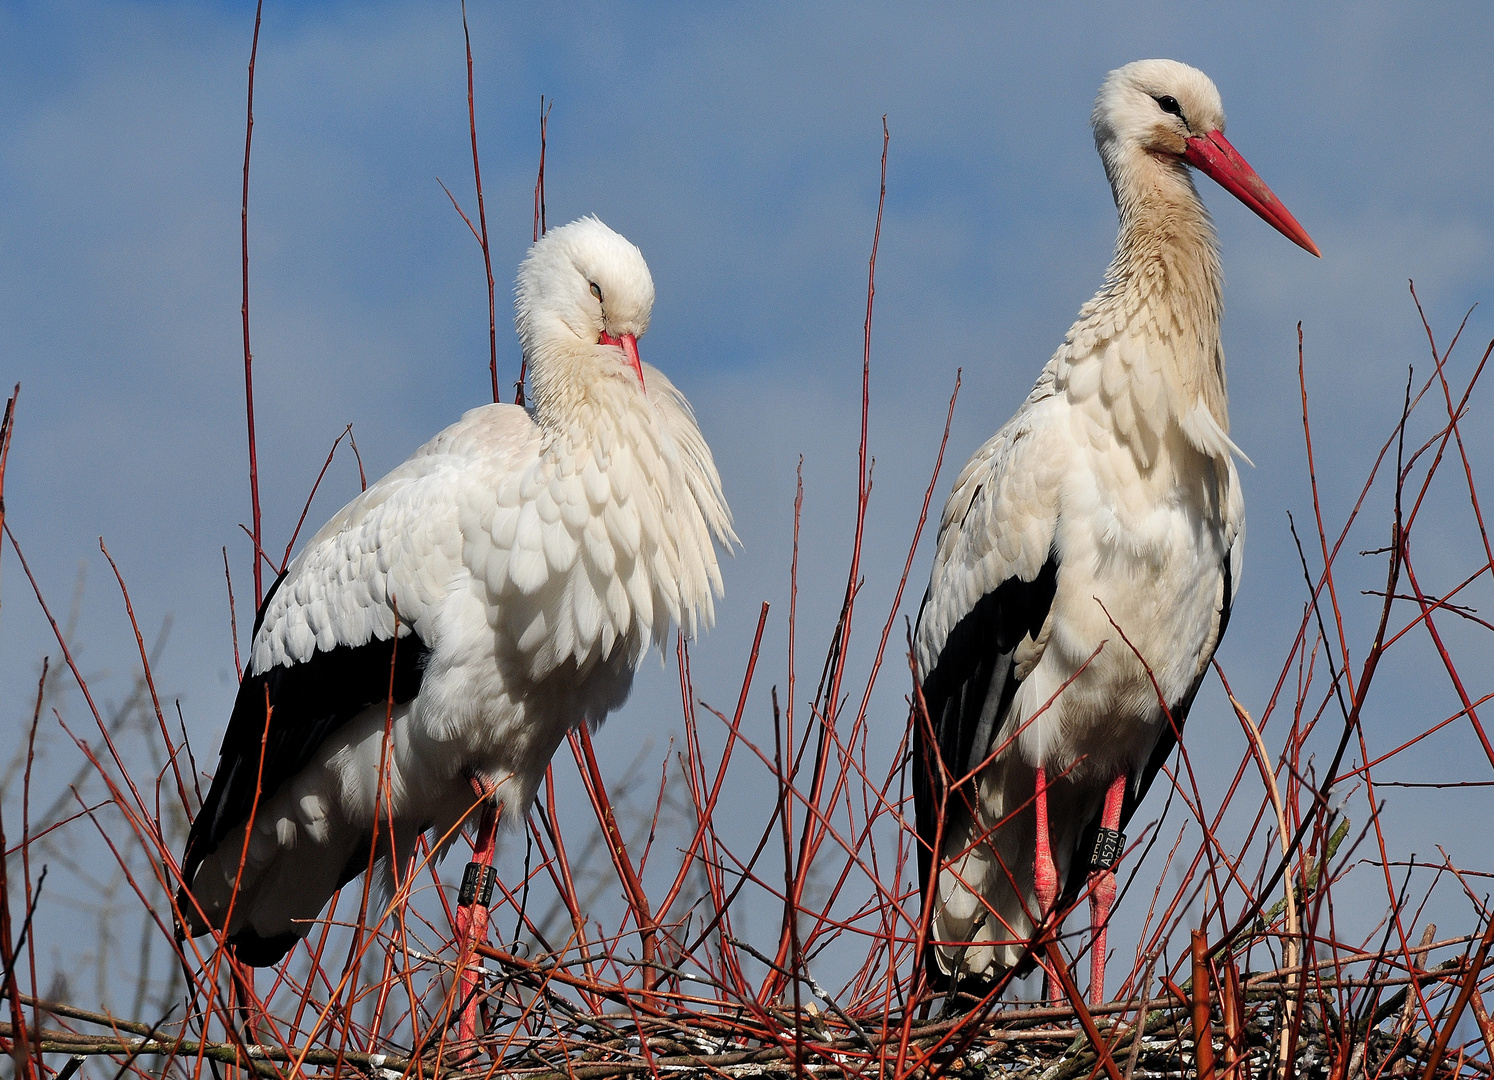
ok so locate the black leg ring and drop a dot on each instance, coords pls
(1109, 844)
(477, 885)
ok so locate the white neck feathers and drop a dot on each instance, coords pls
(1144, 354)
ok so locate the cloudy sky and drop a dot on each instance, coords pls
(737, 146)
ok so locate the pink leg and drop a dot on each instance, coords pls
(472, 917)
(1102, 892)
(1044, 872)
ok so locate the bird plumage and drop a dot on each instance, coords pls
(525, 563)
(1109, 503)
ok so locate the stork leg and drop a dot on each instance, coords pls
(1108, 846)
(472, 915)
(1044, 872)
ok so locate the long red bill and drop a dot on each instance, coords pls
(629, 345)
(1212, 154)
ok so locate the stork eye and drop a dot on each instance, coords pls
(596, 290)
(1169, 104)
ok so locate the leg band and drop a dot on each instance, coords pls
(477, 885)
(1109, 844)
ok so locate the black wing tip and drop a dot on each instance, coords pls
(962, 995)
(249, 948)
(311, 699)
(189, 925)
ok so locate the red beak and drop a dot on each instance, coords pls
(629, 345)
(1212, 154)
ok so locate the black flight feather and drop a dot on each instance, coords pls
(309, 701)
(968, 695)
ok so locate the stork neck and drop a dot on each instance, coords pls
(568, 384)
(1167, 263)
(1165, 226)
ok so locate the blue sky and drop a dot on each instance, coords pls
(737, 146)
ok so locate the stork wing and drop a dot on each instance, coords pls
(993, 581)
(324, 646)
(578, 550)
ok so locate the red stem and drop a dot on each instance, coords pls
(539, 181)
(831, 699)
(259, 588)
(596, 790)
(482, 215)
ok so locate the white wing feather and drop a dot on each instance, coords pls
(1000, 519)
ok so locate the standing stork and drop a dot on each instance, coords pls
(493, 592)
(1108, 505)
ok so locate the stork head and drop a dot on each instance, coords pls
(584, 291)
(1164, 111)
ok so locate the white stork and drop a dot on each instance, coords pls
(1111, 495)
(500, 587)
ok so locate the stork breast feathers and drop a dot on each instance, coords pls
(602, 547)
(572, 547)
